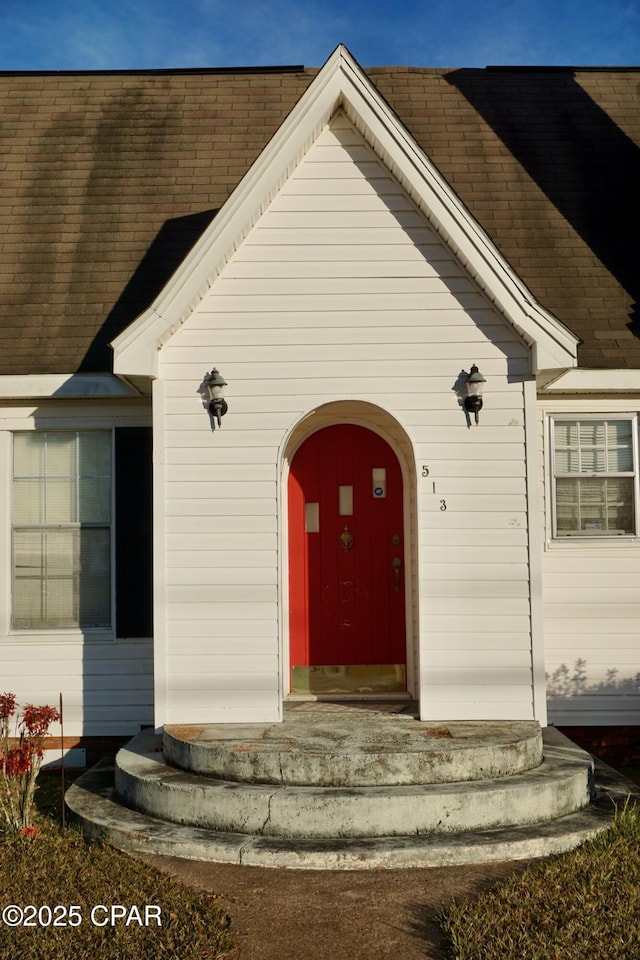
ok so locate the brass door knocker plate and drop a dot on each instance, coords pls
(346, 539)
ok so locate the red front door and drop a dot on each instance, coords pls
(346, 563)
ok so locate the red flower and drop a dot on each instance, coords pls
(7, 705)
(18, 760)
(36, 720)
(30, 832)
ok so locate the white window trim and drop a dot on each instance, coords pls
(72, 633)
(605, 540)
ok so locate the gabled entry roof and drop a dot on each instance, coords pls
(110, 177)
(341, 84)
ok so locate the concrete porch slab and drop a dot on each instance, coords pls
(346, 745)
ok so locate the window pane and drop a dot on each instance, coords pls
(95, 453)
(60, 548)
(592, 460)
(62, 477)
(95, 500)
(61, 454)
(95, 476)
(62, 481)
(28, 501)
(94, 596)
(28, 455)
(619, 431)
(619, 446)
(59, 608)
(40, 501)
(28, 472)
(345, 500)
(593, 506)
(567, 433)
(44, 562)
(62, 578)
(566, 437)
(592, 433)
(28, 554)
(28, 603)
(620, 460)
(567, 461)
(591, 438)
(61, 500)
(312, 517)
(593, 446)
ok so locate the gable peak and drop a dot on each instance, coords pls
(342, 85)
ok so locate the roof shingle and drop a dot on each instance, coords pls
(107, 180)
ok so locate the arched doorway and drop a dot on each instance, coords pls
(347, 631)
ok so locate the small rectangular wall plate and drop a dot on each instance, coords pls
(379, 483)
(312, 517)
(345, 501)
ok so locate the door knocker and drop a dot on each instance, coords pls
(346, 539)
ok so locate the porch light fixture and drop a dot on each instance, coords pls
(214, 385)
(473, 399)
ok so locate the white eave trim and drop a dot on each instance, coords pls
(64, 386)
(553, 345)
(342, 83)
(594, 381)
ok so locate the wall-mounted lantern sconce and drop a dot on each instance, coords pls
(473, 399)
(214, 385)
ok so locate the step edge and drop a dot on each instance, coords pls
(135, 832)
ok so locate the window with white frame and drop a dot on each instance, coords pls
(61, 516)
(595, 476)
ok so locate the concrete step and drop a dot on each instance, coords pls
(92, 802)
(339, 746)
(559, 786)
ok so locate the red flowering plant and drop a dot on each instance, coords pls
(20, 759)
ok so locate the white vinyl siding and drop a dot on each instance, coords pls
(590, 587)
(107, 687)
(343, 293)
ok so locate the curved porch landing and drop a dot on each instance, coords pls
(345, 786)
(354, 745)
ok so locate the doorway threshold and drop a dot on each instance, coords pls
(346, 697)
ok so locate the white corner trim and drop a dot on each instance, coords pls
(63, 386)
(342, 83)
(534, 525)
(160, 678)
(584, 380)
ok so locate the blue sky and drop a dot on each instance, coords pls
(127, 34)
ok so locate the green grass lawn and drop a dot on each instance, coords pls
(583, 905)
(58, 871)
